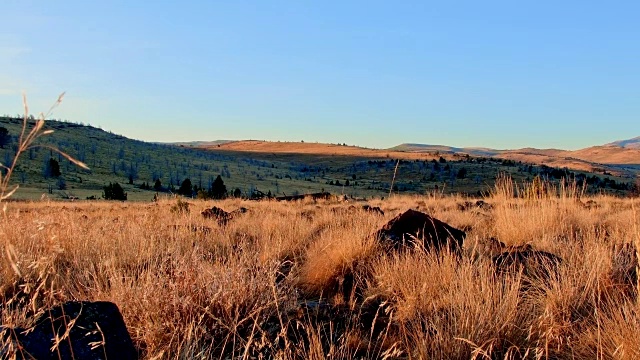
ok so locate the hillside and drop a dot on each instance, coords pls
(285, 147)
(445, 149)
(491, 162)
(198, 143)
(629, 143)
(246, 167)
(621, 158)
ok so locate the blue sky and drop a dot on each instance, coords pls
(502, 74)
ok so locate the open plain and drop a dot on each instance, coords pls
(308, 280)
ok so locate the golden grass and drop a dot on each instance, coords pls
(271, 283)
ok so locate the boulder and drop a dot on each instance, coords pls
(373, 209)
(484, 205)
(591, 204)
(412, 226)
(533, 263)
(480, 204)
(624, 273)
(96, 330)
(222, 216)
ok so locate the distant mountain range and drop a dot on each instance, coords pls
(200, 143)
(622, 157)
(629, 144)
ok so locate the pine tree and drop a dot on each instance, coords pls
(114, 192)
(185, 188)
(218, 188)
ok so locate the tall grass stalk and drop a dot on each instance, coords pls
(26, 142)
(395, 171)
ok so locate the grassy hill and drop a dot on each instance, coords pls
(621, 158)
(279, 168)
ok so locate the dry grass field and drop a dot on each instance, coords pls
(306, 280)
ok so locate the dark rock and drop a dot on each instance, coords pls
(374, 316)
(373, 209)
(240, 210)
(484, 205)
(222, 216)
(533, 263)
(464, 206)
(316, 318)
(97, 331)
(215, 213)
(431, 232)
(341, 210)
(480, 204)
(591, 204)
(624, 273)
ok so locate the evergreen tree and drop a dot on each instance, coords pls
(114, 192)
(185, 188)
(53, 168)
(218, 188)
(158, 185)
(5, 138)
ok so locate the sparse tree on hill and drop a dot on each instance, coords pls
(132, 173)
(52, 168)
(186, 188)
(5, 137)
(114, 192)
(61, 184)
(158, 185)
(218, 188)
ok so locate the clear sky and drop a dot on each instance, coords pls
(501, 74)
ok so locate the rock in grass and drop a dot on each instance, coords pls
(411, 226)
(373, 209)
(533, 263)
(222, 216)
(624, 272)
(96, 330)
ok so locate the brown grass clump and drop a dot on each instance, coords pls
(306, 280)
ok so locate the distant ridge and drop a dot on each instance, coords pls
(200, 143)
(475, 151)
(629, 143)
(620, 157)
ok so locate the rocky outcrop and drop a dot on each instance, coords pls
(85, 330)
(413, 227)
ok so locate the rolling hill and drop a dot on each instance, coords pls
(629, 143)
(279, 168)
(620, 157)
